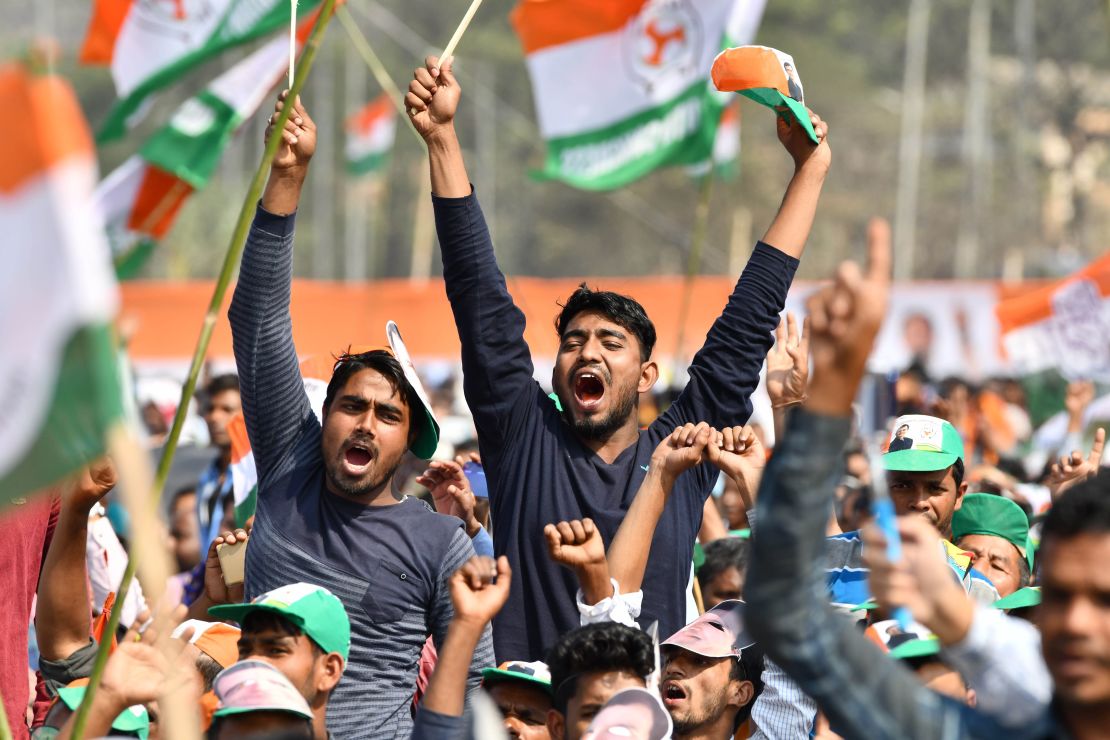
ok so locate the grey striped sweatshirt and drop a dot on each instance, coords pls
(389, 565)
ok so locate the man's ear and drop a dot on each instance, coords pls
(333, 666)
(649, 374)
(740, 693)
(960, 496)
(556, 724)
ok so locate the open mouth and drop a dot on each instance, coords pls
(673, 693)
(589, 389)
(357, 458)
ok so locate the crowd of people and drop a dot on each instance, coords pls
(580, 571)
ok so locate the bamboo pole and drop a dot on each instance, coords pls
(362, 46)
(234, 252)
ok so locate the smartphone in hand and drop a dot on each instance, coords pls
(232, 562)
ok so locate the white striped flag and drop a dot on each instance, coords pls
(150, 44)
(622, 87)
(370, 135)
(141, 198)
(1063, 326)
(59, 387)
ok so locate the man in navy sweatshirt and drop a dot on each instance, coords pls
(588, 459)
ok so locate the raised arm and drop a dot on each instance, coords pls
(788, 611)
(275, 404)
(62, 620)
(685, 448)
(478, 590)
(725, 372)
(497, 364)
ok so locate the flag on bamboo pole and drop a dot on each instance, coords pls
(370, 134)
(59, 387)
(150, 45)
(244, 474)
(141, 199)
(1061, 326)
(622, 87)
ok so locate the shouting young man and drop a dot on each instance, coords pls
(586, 456)
(327, 513)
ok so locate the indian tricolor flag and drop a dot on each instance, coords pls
(150, 44)
(1062, 326)
(244, 474)
(622, 87)
(59, 388)
(141, 199)
(370, 135)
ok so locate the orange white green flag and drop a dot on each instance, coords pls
(142, 197)
(370, 134)
(1062, 326)
(622, 87)
(59, 386)
(151, 44)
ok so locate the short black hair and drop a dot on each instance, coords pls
(383, 362)
(958, 472)
(300, 732)
(260, 620)
(720, 555)
(1085, 509)
(606, 646)
(620, 309)
(220, 383)
(749, 667)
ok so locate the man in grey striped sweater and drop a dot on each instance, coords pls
(326, 510)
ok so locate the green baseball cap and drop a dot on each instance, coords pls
(133, 719)
(922, 444)
(1023, 598)
(919, 648)
(534, 674)
(989, 514)
(312, 609)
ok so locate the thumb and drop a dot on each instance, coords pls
(446, 71)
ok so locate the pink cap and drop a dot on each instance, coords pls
(255, 686)
(719, 633)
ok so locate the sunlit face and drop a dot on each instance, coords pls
(995, 558)
(732, 505)
(218, 412)
(365, 435)
(934, 495)
(697, 691)
(1074, 617)
(594, 689)
(293, 655)
(524, 708)
(598, 375)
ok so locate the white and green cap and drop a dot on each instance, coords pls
(312, 609)
(133, 719)
(921, 444)
(424, 446)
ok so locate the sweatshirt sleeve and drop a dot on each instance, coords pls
(497, 364)
(725, 371)
(275, 404)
